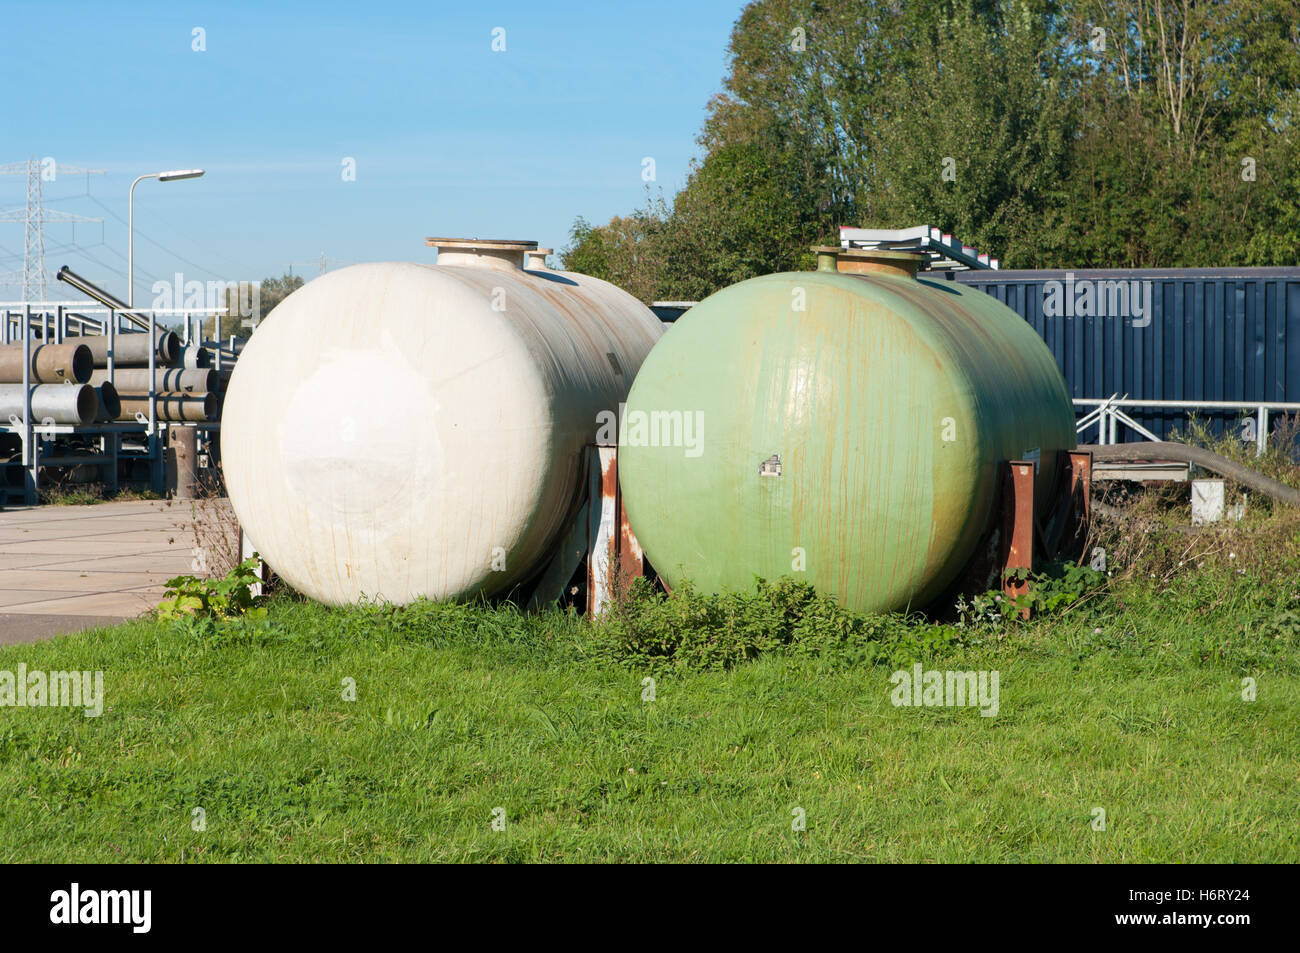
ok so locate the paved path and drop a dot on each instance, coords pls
(68, 568)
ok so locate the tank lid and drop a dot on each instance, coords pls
(858, 261)
(535, 258)
(480, 252)
(500, 244)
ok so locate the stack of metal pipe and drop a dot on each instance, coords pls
(57, 378)
(59, 373)
(183, 392)
(184, 386)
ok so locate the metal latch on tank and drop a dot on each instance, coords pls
(771, 467)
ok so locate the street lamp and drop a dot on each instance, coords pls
(174, 176)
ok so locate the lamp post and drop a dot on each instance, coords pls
(173, 176)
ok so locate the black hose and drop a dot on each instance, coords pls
(1184, 453)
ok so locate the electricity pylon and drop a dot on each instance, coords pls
(34, 217)
(322, 263)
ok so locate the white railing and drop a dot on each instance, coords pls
(1107, 415)
(55, 320)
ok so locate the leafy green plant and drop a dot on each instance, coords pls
(1056, 588)
(228, 596)
(981, 611)
(697, 631)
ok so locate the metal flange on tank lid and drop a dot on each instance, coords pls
(861, 261)
(535, 259)
(481, 251)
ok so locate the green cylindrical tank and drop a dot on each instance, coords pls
(845, 427)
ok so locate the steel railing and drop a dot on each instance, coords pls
(1107, 415)
(40, 322)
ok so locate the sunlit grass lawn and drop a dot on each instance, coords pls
(454, 721)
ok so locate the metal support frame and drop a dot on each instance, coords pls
(599, 532)
(1067, 524)
(1016, 544)
(945, 252)
(1022, 539)
(614, 557)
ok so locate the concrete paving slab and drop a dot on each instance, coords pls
(23, 534)
(122, 605)
(12, 598)
(69, 567)
(51, 515)
(100, 546)
(134, 565)
(19, 629)
(73, 580)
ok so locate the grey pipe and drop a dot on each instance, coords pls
(173, 405)
(110, 405)
(93, 291)
(131, 348)
(53, 403)
(135, 380)
(1184, 453)
(51, 363)
(193, 356)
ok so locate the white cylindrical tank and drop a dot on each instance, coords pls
(399, 430)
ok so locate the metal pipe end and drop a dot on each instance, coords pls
(83, 363)
(863, 261)
(535, 259)
(110, 405)
(827, 256)
(169, 347)
(87, 403)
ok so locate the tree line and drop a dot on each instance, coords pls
(1077, 134)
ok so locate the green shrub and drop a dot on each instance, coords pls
(1057, 587)
(692, 630)
(223, 598)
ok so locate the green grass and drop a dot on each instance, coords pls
(1130, 702)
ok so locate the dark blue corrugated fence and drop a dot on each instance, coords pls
(1203, 333)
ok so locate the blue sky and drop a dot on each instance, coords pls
(448, 136)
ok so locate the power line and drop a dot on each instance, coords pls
(178, 256)
(103, 264)
(36, 216)
(147, 274)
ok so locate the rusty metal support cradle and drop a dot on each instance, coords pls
(1024, 541)
(614, 557)
(598, 534)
